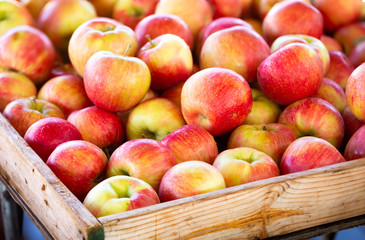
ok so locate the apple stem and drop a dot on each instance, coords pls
(150, 40)
(264, 128)
(126, 51)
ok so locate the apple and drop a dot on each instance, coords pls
(13, 14)
(191, 142)
(121, 87)
(145, 159)
(255, 24)
(264, 6)
(195, 13)
(355, 92)
(226, 8)
(100, 127)
(247, 49)
(67, 92)
(357, 55)
(244, 164)
(174, 94)
(291, 73)
(338, 13)
(355, 147)
(29, 51)
(154, 119)
(307, 153)
(314, 117)
(100, 34)
(61, 69)
(23, 112)
(59, 19)
(271, 139)
(130, 12)
(263, 110)
(14, 85)
(349, 35)
(340, 68)
(104, 8)
(167, 70)
(331, 43)
(292, 17)
(352, 124)
(119, 194)
(79, 165)
(188, 179)
(158, 24)
(34, 6)
(216, 99)
(313, 42)
(46, 134)
(333, 93)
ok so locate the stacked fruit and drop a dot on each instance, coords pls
(133, 102)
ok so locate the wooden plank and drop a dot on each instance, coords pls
(261, 209)
(53, 204)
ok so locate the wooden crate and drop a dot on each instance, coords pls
(260, 209)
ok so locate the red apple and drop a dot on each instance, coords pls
(46, 134)
(243, 164)
(271, 139)
(29, 51)
(331, 43)
(174, 94)
(98, 126)
(121, 87)
(352, 124)
(226, 8)
(154, 119)
(188, 179)
(292, 17)
(67, 92)
(61, 69)
(355, 148)
(308, 153)
(145, 159)
(216, 99)
(191, 142)
(158, 24)
(340, 68)
(357, 55)
(314, 117)
(119, 194)
(79, 165)
(15, 85)
(349, 35)
(104, 8)
(355, 92)
(130, 12)
(100, 34)
(23, 112)
(291, 73)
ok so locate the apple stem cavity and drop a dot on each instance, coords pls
(126, 51)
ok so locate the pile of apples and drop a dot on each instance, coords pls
(135, 102)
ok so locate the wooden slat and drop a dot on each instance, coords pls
(261, 209)
(41, 191)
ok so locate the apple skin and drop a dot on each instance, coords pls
(314, 117)
(104, 8)
(23, 112)
(292, 17)
(14, 85)
(307, 153)
(145, 159)
(154, 119)
(348, 36)
(191, 142)
(119, 194)
(59, 19)
(100, 34)
(67, 92)
(195, 13)
(355, 92)
(79, 164)
(340, 68)
(120, 88)
(14, 14)
(300, 78)
(357, 55)
(355, 147)
(61, 69)
(263, 110)
(199, 97)
(264, 6)
(338, 13)
(352, 124)
(188, 179)
(226, 8)
(333, 93)
(271, 139)
(247, 49)
(130, 12)
(244, 164)
(167, 70)
(29, 51)
(174, 94)
(46, 134)
(331, 43)
(98, 126)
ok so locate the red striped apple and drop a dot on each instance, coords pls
(174, 94)
(226, 8)
(333, 93)
(357, 55)
(349, 35)
(331, 43)
(355, 147)
(340, 68)
(355, 92)
(352, 124)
